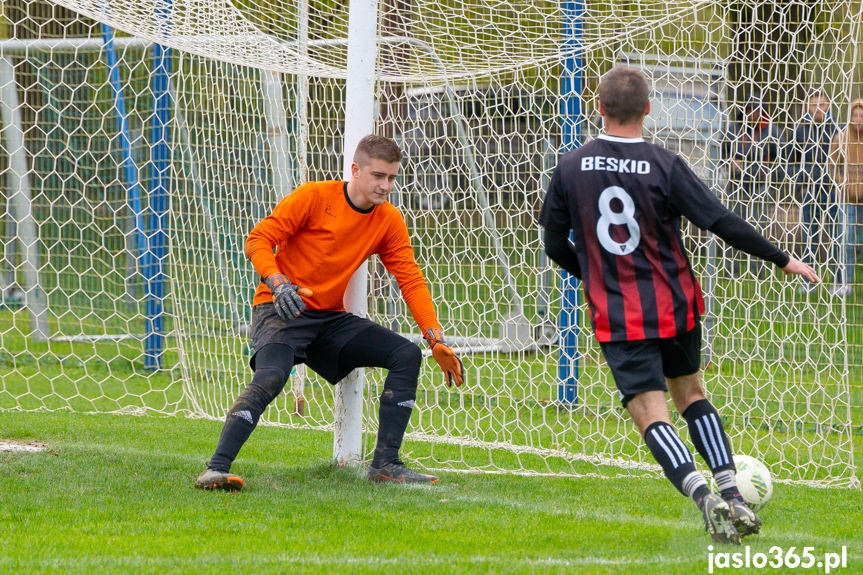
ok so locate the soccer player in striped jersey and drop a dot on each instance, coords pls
(321, 233)
(622, 200)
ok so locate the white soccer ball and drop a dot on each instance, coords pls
(754, 481)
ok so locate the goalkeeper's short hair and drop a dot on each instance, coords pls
(378, 147)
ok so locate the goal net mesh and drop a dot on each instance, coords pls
(131, 175)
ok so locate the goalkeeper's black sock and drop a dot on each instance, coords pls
(238, 427)
(708, 436)
(273, 363)
(397, 402)
(391, 430)
(674, 457)
(380, 347)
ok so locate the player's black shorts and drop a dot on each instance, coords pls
(317, 337)
(639, 366)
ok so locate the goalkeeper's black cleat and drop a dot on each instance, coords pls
(718, 520)
(212, 479)
(744, 519)
(397, 472)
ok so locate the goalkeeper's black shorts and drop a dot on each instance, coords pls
(317, 337)
(643, 365)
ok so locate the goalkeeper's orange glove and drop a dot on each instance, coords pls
(445, 357)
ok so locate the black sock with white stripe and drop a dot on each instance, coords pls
(708, 435)
(675, 459)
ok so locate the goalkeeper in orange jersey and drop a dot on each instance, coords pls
(322, 232)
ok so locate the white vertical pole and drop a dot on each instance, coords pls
(302, 100)
(277, 128)
(283, 180)
(359, 121)
(20, 202)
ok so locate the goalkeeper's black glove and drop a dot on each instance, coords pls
(286, 296)
(445, 357)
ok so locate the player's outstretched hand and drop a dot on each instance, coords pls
(286, 296)
(797, 267)
(445, 357)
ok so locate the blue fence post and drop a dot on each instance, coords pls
(571, 112)
(160, 166)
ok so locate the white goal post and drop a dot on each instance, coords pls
(482, 97)
(360, 100)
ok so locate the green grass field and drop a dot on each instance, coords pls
(113, 494)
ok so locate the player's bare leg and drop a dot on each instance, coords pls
(648, 408)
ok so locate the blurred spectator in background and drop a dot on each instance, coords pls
(752, 149)
(846, 155)
(808, 155)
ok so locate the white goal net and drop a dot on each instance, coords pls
(142, 140)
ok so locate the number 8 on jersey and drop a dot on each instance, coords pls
(608, 218)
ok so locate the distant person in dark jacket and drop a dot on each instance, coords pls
(808, 156)
(752, 150)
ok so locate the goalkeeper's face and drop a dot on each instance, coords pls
(373, 181)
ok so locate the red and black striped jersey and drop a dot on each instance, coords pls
(623, 199)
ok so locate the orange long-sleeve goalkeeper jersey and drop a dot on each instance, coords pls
(321, 239)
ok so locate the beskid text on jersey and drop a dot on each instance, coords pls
(622, 165)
